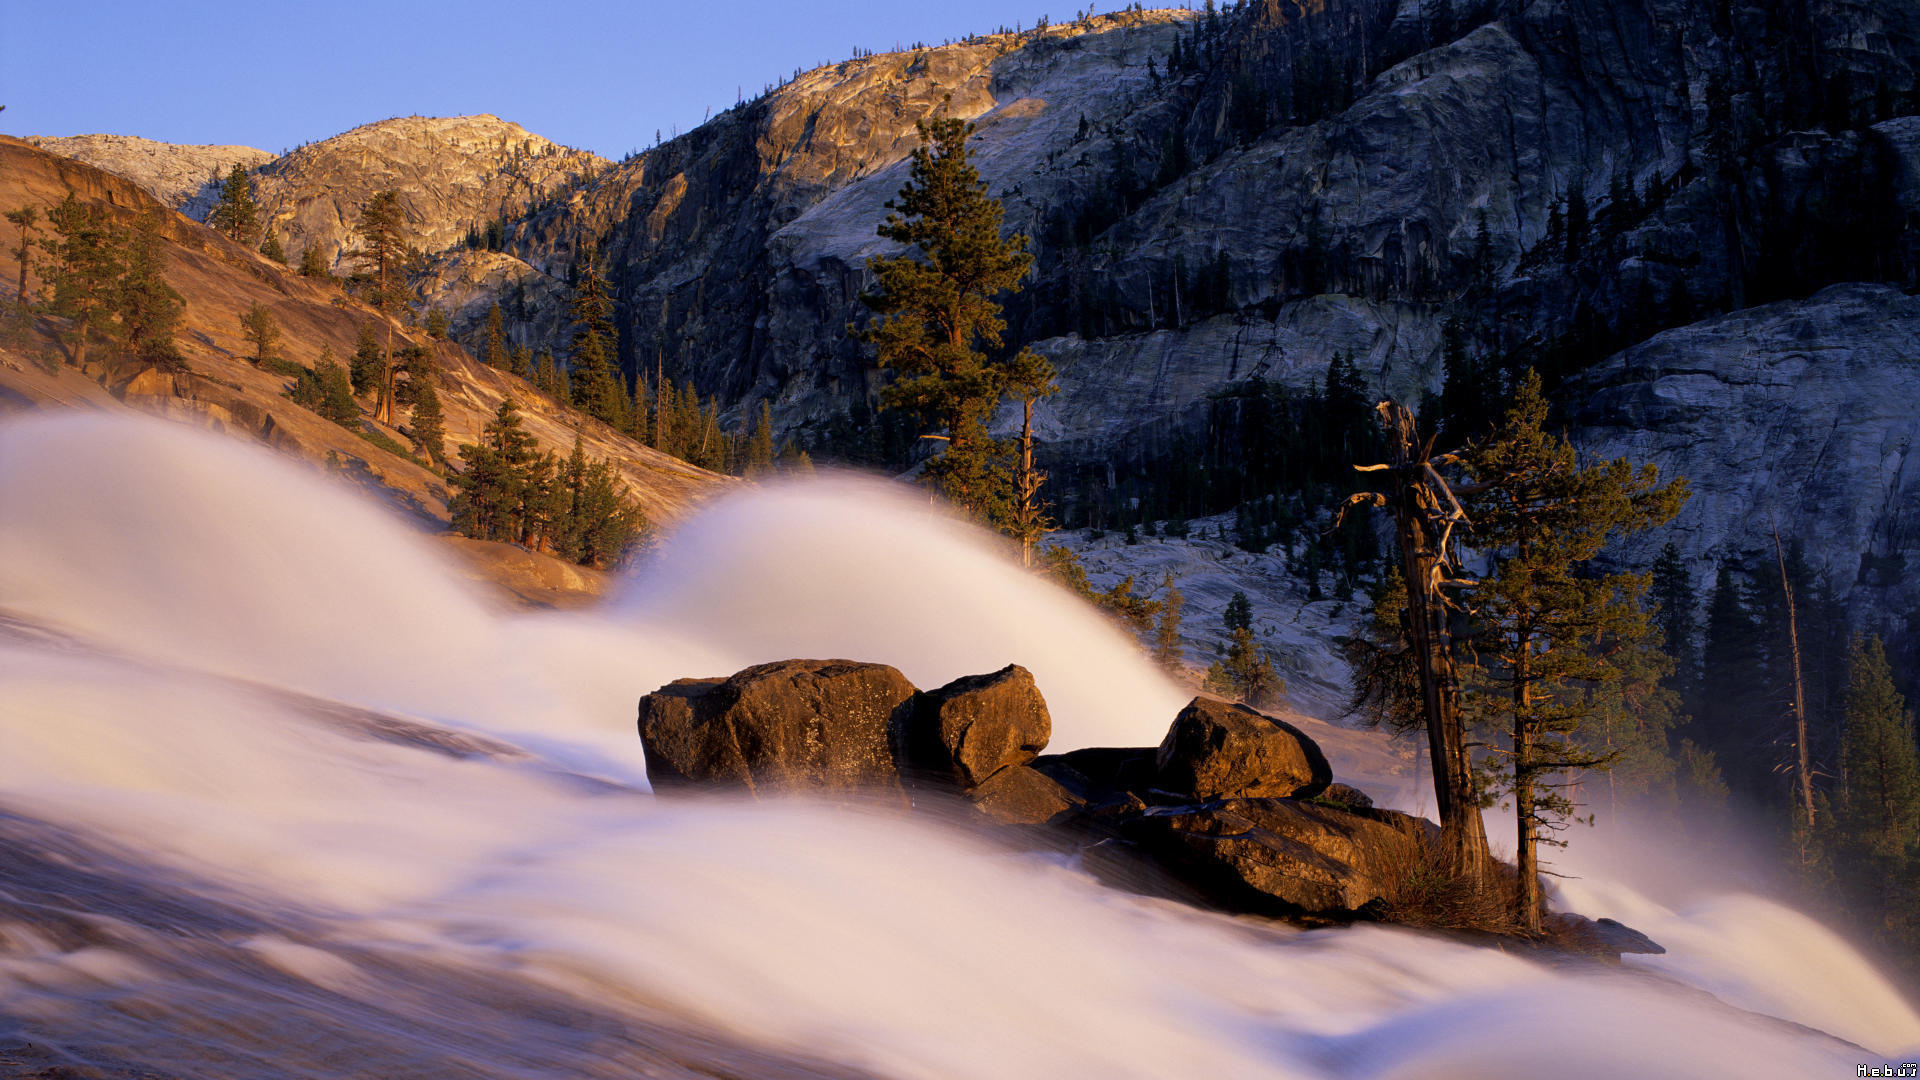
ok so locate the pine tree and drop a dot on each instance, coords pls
(1732, 714)
(494, 351)
(1248, 670)
(262, 331)
(937, 318)
(487, 504)
(760, 454)
(521, 361)
(336, 393)
(26, 218)
(595, 379)
(149, 307)
(270, 247)
(1554, 643)
(314, 265)
(606, 518)
(85, 272)
(437, 324)
(573, 477)
(429, 431)
(1672, 592)
(367, 362)
(384, 260)
(236, 214)
(1880, 807)
(1029, 377)
(1166, 633)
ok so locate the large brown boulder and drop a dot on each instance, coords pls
(977, 725)
(1285, 856)
(791, 724)
(1215, 750)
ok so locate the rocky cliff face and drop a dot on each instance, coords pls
(453, 174)
(1246, 194)
(1799, 415)
(186, 178)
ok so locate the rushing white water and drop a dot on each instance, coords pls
(196, 630)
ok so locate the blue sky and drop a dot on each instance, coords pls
(273, 74)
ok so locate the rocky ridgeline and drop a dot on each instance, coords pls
(186, 178)
(1233, 805)
(451, 172)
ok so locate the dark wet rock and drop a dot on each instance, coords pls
(1284, 856)
(792, 724)
(978, 725)
(1601, 937)
(1101, 774)
(1216, 750)
(1019, 795)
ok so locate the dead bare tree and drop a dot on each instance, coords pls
(1803, 778)
(1425, 511)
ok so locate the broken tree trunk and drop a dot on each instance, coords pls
(1424, 513)
(1803, 772)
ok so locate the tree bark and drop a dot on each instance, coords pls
(1527, 904)
(1417, 515)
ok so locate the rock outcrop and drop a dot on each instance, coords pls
(1213, 805)
(794, 724)
(1019, 795)
(1217, 750)
(1304, 180)
(453, 174)
(1286, 855)
(186, 178)
(978, 725)
(1799, 413)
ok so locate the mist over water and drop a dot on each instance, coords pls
(322, 798)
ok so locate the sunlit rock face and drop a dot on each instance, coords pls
(186, 178)
(452, 173)
(1248, 216)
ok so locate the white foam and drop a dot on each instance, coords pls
(207, 578)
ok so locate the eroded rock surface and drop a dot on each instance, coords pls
(1285, 855)
(1219, 750)
(978, 725)
(794, 724)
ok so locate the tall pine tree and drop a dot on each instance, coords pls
(596, 385)
(84, 272)
(1554, 641)
(236, 214)
(937, 320)
(384, 259)
(1880, 808)
(149, 307)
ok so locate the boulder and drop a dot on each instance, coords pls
(1019, 795)
(977, 725)
(791, 724)
(1348, 796)
(1215, 750)
(1284, 856)
(1604, 938)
